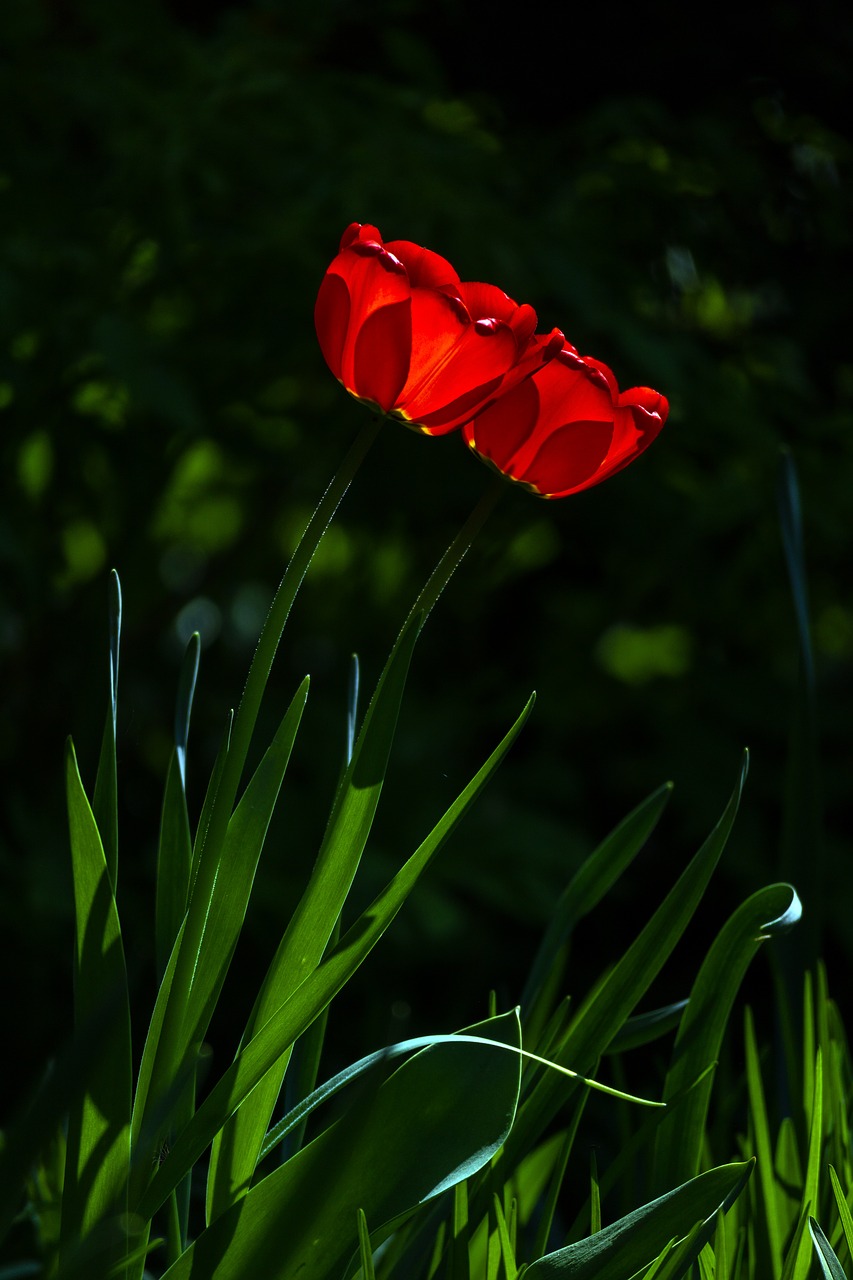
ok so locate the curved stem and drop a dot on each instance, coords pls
(455, 553)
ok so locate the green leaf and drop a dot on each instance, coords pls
(174, 854)
(830, 1266)
(843, 1207)
(429, 1125)
(210, 797)
(216, 926)
(60, 1089)
(105, 798)
(678, 1145)
(98, 1151)
(800, 1251)
(300, 1010)
(618, 1251)
(507, 1249)
(587, 887)
(802, 819)
(177, 1030)
(235, 1152)
(174, 858)
(645, 1028)
(605, 1011)
(763, 1149)
(365, 1250)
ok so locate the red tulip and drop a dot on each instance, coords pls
(401, 331)
(567, 427)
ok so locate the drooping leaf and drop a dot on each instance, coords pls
(433, 1122)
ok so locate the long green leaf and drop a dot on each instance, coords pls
(811, 1187)
(605, 1011)
(802, 819)
(843, 1210)
(178, 1032)
(830, 1266)
(678, 1145)
(174, 854)
(430, 1125)
(105, 797)
(617, 1252)
(763, 1148)
(297, 1014)
(594, 878)
(235, 1151)
(166, 1054)
(98, 1151)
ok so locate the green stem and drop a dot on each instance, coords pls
(455, 553)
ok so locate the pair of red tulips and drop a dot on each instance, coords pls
(402, 332)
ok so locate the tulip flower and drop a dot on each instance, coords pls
(402, 332)
(567, 427)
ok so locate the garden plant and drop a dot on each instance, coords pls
(463, 1153)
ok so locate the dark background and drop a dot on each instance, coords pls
(174, 179)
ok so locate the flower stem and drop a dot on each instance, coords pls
(455, 553)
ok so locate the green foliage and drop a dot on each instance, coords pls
(452, 1157)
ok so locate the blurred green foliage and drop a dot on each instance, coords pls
(173, 183)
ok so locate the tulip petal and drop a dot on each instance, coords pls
(455, 364)
(362, 282)
(424, 268)
(331, 320)
(566, 427)
(381, 355)
(569, 459)
(501, 430)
